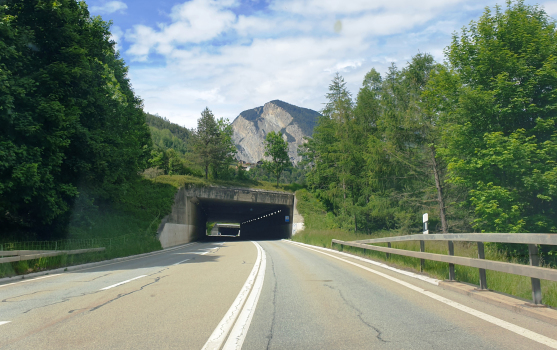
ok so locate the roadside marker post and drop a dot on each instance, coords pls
(425, 218)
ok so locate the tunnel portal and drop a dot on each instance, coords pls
(260, 214)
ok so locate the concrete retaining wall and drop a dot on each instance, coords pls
(298, 219)
(185, 224)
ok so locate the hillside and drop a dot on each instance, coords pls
(167, 135)
(252, 125)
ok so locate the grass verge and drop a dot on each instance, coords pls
(126, 226)
(178, 181)
(318, 233)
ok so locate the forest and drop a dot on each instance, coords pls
(471, 140)
(72, 127)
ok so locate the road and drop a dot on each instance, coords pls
(253, 295)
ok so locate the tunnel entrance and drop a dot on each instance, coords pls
(260, 214)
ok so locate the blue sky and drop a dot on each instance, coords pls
(232, 55)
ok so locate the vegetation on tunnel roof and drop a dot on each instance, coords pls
(183, 180)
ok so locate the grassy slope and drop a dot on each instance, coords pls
(181, 180)
(320, 230)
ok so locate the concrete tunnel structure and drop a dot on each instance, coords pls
(261, 214)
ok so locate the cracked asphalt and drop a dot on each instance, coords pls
(175, 299)
(312, 301)
(172, 307)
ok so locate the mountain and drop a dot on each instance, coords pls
(251, 127)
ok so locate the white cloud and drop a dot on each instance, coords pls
(116, 34)
(192, 22)
(550, 8)
(110, 7)
(215, 56)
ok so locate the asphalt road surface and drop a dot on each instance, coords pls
(253, 295)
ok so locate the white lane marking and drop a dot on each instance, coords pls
(240, 330)
(542, 339)
(433, 281)
(102, 265)
(218, 336)
(31, 280)
(208, 251)
(123, 282)
(4, 322)
(179, 262)
(139, 257)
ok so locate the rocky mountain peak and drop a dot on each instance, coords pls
(251, 127)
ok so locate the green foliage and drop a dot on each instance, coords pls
(70, 120)
(500, 128)
(176, 131)
(212, 145)
(525, 172)
(471, 142)
(170, 162)
(295, 174)
(163, 139)
(276, 148)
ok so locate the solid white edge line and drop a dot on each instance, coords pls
(542, 339)
(4, 322)
(238, 334)
(220, 333)
(31, 280)
(433, 281)
(123, 282)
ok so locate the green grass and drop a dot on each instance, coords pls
(136, 244)
(126, 226)
(319, 233)
(178, 181)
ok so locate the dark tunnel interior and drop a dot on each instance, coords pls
(258, 221)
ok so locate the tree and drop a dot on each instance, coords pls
(277, 149)
(206, 139)
(226, 150)
(212, 143)
(500, 130)
(70, 121)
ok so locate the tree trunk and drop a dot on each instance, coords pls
(206, 171)
(440, 199)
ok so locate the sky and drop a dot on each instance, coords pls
(234, 55)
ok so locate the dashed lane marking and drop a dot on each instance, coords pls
(119, 284)
(31, 280)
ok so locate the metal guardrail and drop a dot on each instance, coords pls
(19, 255)
(534, 271)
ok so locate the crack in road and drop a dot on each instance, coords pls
(360, 313)
(68, 298)
(7, 300)
(110, 273)
(270, 336)
(123, 295)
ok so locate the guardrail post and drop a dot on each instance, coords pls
(451, 266)
(422, 261)
(536, 285)
(481, 255)
(388, 254)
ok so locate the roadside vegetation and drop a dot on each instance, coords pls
(471, 141)
(321, 228)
